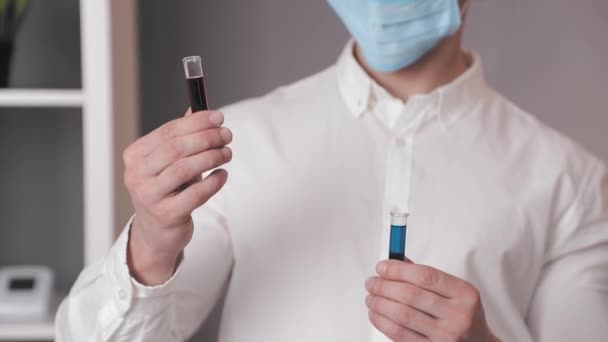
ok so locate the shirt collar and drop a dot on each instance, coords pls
(450, 100)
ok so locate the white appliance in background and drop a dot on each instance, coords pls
(25, 292)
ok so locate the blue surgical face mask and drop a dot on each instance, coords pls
(394, 34)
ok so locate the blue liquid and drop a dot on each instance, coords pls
(396, 249)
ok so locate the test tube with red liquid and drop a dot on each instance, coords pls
(196, 83)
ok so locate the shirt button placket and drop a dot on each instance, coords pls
(123, 300)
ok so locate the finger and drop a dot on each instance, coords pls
(189, 124)
(402, 314)
(394, 331)
(188, 168)
(182, 147)
(422, 276)
(425, 301)
(197, 193)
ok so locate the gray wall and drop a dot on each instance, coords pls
(41, 149)
(246, 46)
(550, 57)
(547, 55)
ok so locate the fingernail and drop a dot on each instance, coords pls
(226, 135)
(368, 300)
(227, 152)
(216, 118)
(381, 267)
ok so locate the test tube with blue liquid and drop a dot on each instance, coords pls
(396, 249)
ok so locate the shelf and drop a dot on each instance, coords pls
(31, 331)
(41, 97)
(40, 331)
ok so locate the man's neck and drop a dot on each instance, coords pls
(440, 66)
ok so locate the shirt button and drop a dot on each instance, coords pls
(400, 141)
(122, 295)
(395, 209)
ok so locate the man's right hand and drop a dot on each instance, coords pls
(163, 175)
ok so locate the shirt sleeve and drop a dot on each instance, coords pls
(571, 300)
(107, 304)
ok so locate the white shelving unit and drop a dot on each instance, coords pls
(108, 99)
(41, 98)
(30, 331)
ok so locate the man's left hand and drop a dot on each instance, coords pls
(410, 302)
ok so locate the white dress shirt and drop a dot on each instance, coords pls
(495, 197)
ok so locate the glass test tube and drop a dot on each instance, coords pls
(196, 83)
(396, 248)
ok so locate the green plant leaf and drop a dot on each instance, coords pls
(21, 6)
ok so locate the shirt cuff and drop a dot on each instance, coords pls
(127, 289)
(143, 291)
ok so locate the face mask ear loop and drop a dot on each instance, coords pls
(464, 10)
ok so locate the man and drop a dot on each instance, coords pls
(508, 229)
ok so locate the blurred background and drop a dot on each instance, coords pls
(548, 56)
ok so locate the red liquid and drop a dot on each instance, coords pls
(198, 97)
